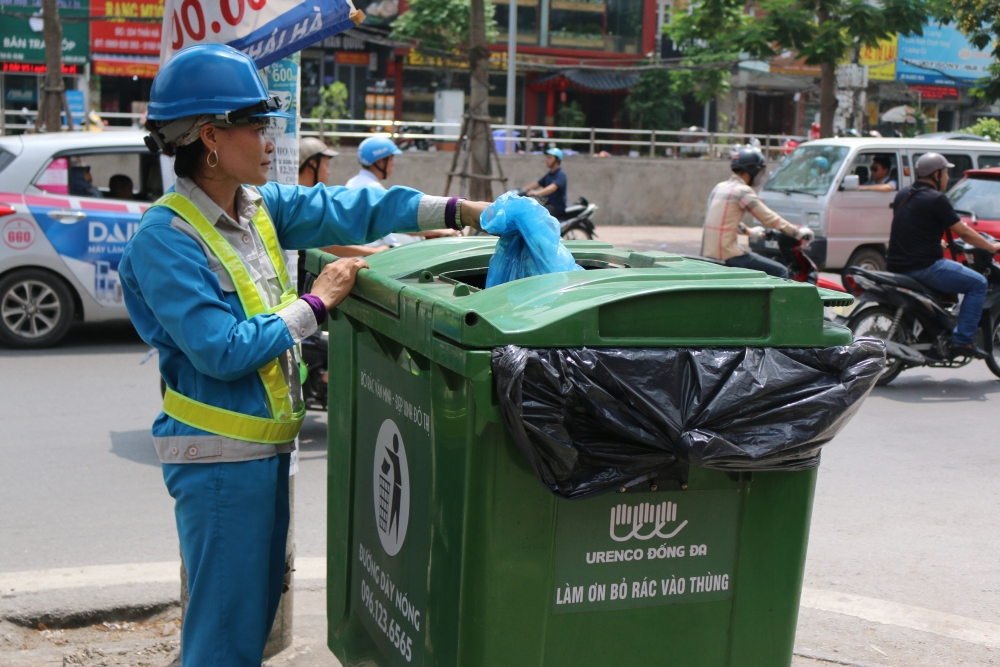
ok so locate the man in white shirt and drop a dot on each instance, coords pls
(377, 157)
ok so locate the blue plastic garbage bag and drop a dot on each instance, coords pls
(529, 240)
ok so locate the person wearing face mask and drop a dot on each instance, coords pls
(727, 204)
(205, 282)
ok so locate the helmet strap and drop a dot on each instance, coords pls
(384, 162)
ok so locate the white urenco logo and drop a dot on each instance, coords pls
(392, 488)
(644, 521)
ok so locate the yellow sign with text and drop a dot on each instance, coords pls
(881, 59)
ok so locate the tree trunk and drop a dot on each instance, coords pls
(479, 131)
(827, 99)
(53, 90)
(827, 84)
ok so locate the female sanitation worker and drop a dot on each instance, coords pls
(205, 283)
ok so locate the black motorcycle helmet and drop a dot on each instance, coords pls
(749, 160)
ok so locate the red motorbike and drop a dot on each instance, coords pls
(801, 267)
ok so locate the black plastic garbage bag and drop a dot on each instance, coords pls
(592, 420)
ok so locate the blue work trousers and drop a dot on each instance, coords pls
(232, 520)
(752, 260)
(951, 277)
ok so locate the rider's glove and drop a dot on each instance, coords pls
(757, 234)
(805, 234)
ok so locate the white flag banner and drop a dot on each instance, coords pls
(265, 30)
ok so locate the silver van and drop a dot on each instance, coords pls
(822, 185)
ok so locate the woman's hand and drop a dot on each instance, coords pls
(336, 280)
(471, 210)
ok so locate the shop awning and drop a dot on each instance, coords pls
(592, 81)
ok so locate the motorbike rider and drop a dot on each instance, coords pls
(552, 185)
(205, 282)
(314, 168)
(377, 156)
(922, 213)
(727, 204)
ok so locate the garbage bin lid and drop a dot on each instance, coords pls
(626, 299)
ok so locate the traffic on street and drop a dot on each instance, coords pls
(474, 334)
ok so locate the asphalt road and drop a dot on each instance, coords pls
(902, 566)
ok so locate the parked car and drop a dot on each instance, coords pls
(818, 186)
(69, 202)
(977, 199)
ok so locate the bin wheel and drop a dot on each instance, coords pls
(993, 361)
(36, 309)
(875, 323)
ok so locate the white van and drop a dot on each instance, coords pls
(818, 186)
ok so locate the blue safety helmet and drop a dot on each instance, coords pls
(210, 79)
(821, 163)
(374, 149)
(556, 153)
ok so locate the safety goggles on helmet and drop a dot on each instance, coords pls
(168, 135)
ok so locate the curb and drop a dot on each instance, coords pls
(76, 618)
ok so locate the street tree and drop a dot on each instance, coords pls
(440, 25)
(654, 103)
(53, 99)
(980, 20)
(716, 34)
(460, 26)
(332, 105)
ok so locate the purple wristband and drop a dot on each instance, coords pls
(318, 308)
(449, 213)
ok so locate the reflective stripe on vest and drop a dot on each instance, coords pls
(284, 424)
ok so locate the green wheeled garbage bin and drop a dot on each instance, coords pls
(443, 547)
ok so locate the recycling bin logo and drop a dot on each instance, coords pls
(392, 488)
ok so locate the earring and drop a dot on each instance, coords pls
(208, 160)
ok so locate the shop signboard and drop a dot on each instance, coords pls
(942, 56)
(68, 9)
(127, 41)
(21, 43)
(881, 59)
(936, 93)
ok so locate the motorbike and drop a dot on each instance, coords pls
(801, 267)
(916, 322)
(315, 352)
(575, 222)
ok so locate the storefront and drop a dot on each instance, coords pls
(939, 67)
(22, 60)
(367, 70)
(125, 48)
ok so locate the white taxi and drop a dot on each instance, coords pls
(69, 202)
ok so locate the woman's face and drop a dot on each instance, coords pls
(244, 153)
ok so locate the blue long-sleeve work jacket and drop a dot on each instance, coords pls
(209, 350)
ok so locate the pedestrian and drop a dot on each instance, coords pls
(205, 283)
(552, 185)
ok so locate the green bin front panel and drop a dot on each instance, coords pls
(445, 550)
